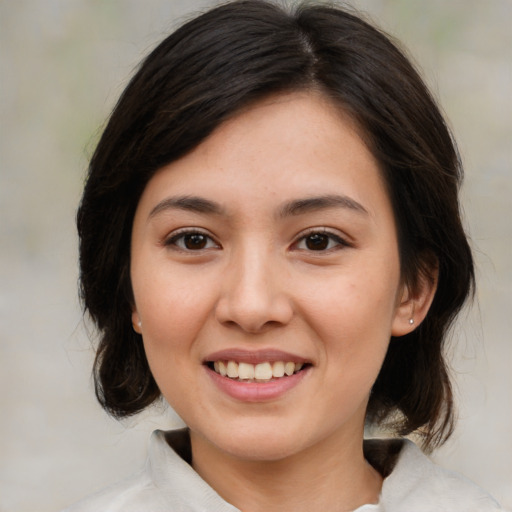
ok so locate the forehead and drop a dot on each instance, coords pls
(285, 146)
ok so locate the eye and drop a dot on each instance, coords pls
(191, 241)
(320, 241)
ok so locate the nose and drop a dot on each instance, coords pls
(254, 295)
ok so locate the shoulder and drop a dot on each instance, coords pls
(137, 493)
(168, 482)
(416, 483)
(134, 494)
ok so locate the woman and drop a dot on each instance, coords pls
(270, 239)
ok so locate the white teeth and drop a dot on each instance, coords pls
(289, 368)
(278, 369)
(246, 371)
(259, 372)
(222, 368)
(263, 371)
(232, 369)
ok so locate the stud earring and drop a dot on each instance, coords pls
(411, 321)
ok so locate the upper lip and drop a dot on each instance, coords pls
(254, 356)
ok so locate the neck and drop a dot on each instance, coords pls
(332, 476)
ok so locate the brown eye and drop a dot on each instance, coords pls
(317, 242)
(195, 241)
(192, 241)
(321, 241)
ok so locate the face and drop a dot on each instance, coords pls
(266, 278)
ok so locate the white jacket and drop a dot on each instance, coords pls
(169, 484)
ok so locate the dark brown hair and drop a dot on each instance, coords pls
(207, 71)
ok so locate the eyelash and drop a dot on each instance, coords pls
(173, 240)
(332, 237)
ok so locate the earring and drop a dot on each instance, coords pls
(411, 321)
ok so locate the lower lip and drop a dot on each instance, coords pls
(257, 391)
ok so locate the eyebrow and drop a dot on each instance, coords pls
(291, 208)
(310, 204)
(188, 203)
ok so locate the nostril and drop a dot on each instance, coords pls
(251, 326)
(253, 309)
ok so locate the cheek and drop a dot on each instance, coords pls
(169, 330)
(352, 317)
(172, 312)
(352, 302)
(171, 322)
(170, 302)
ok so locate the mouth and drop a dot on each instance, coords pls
(256, 376)
(266, 371)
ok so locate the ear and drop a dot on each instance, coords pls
(136, 323)
(414, 302)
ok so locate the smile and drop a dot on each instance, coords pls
(261, 372)
(260, 375)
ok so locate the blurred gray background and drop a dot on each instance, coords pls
(63, 64)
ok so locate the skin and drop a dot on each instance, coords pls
(256, 284)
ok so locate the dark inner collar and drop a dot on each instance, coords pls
(382, 454)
